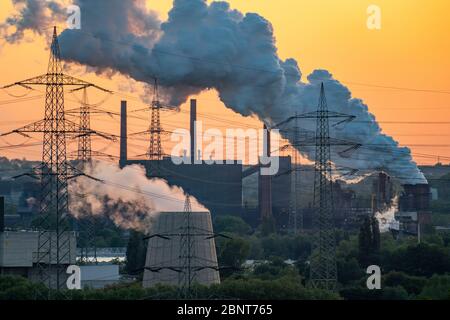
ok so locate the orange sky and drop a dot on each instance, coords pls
(410, 51)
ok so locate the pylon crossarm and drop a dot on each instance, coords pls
(29, 174)
(87, 85)
(55, 79)
(71, 128)
(74, 154)
(150, 131)
(219, 235)
(316, 115)
(39, 80)
(101, 134)
(157, 236)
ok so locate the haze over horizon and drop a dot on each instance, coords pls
(366, 60)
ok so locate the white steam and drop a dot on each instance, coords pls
(126, 196)
(203, 47)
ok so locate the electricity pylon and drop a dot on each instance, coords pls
(295, 219)
(323, 272)
(155, 151)
(187, 253)
(84, 140)
(323, 268)
(54, 238)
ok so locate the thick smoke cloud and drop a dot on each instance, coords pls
(126, 196)
(203, 47)
(33, 15)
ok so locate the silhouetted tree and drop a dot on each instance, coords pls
(369, 242)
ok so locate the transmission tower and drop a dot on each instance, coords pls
(295, 215)
(187, 253)
(84, 156)
(155, 151)
(323, 273)
(323, 262)
(84, 140)
(54, 252)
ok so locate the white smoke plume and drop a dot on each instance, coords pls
(203, 47)
(386, 218)
(126, 196)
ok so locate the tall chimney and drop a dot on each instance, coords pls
(123, 134)
(267, 146)
(193, 130)
(265, 183)
(2, 214)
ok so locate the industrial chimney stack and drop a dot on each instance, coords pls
(265, 183)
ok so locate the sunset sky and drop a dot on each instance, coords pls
(401, 71)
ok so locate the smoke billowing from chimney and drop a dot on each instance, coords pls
(203, 47)
(126, 196)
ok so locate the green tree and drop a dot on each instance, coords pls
(136, 252)
(437, 288)
(233, 254)
(413, 285)
(419, 260)
(369, 242)
(231, 224)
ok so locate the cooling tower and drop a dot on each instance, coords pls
(164, 264)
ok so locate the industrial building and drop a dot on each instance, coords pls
(165, 261)
(18, 251)
(414, 209)
(218, 187)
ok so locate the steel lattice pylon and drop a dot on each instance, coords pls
(155, 151)
(295, 215)
(53, 250)
(323, 269)
(187, 254)
(323, 273)
(84, 140)
(84, 156)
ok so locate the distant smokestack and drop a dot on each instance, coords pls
(123, 134)
(266, 143)
(193, 129)
(2, 214)
(265, 183)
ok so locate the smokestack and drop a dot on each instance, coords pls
(193, 130)
(123, 134)
(2, 214)
(266, 150)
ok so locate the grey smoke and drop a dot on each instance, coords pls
(203, 47)
(126, 196)
(33, 15)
